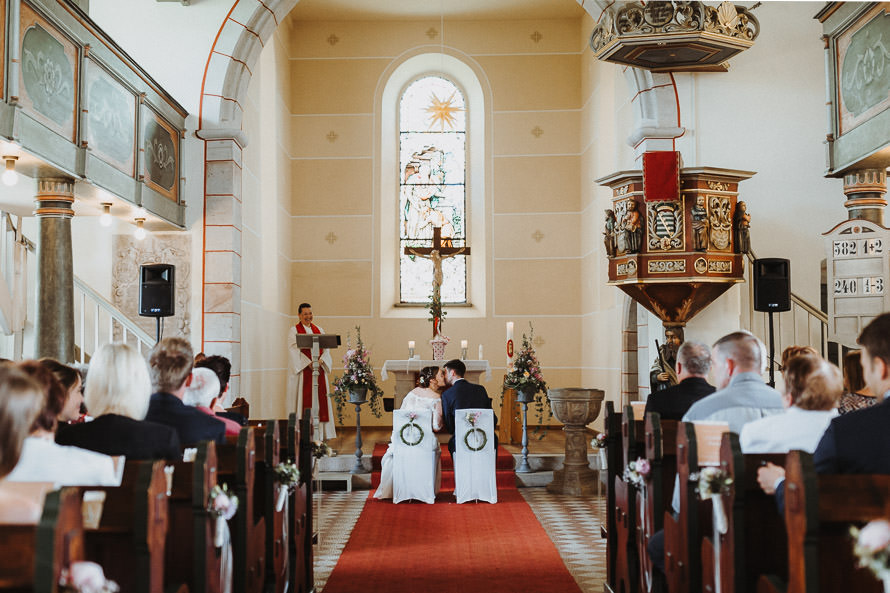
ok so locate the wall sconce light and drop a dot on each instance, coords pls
(140, 229)
(10, 177)
(105, 217)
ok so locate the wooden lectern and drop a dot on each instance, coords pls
(316, 342)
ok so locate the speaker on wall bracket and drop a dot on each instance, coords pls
(157, 292)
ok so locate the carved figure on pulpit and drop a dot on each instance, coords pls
(663, 373)
(720, 221)
(632, 229)
(609, 238)
(742, 228)
(699, 225)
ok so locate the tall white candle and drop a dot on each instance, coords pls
(480, 351)
(463, 344)
(411, 344)
(509, 330)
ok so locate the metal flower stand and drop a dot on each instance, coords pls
(358, 469)
(524, 397)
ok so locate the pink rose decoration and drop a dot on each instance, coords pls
(875, 536)
(643, 467)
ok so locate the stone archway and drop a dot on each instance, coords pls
(247, 27)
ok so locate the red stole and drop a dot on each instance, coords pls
(307, 378)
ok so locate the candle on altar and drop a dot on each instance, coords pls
(410, 348)
(509, 330)
(480, 351)
(463, 344)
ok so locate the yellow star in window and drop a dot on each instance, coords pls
(442, 112)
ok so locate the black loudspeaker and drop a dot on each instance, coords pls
(772, 284)
(156, 290)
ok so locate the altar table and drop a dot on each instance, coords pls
(406, 373)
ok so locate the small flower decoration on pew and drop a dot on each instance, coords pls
(599, 441)
(223, 505)
(288, 476)
(472, 419)
(321, 449)
(86, 577)
(637, 471)
(712, 482)
(412, 426)
(872, 547)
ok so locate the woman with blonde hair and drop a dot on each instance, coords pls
(117, 394)
(812, 390)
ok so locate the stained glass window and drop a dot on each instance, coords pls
(432, 193)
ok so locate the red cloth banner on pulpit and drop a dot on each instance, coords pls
(661, 175)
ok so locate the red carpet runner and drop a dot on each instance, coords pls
(450, 548)
(504, 462)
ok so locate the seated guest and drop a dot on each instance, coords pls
(693, 364)
(72, 382)
(858, 442)
(45, 461)
(117, 394)
(223, 369)
(812, 389)
(460, 395)
(856, 394)
(21, 399)
(742, 395)
(202, 394)
(171, 372)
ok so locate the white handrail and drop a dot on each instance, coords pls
(90, 300)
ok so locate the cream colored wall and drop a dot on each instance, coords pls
(266, 238)
(534, 185)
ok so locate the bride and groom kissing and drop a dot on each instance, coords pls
(444, 391)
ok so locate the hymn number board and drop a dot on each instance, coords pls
(858, 273)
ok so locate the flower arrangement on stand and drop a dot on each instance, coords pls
(358, 377)
(872, 548)
(525, 376)
(437, 316)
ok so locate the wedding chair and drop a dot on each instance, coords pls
(474, 456)
(415, 456)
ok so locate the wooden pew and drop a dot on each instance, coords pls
(614, 460)
(129, 542)
(625, 509)
(300, 512)
(191, 556)
(661, 453)
(237, 468)
(697, 447)
(305, 463)
(754, 542)
(268, 454)
(240, 406)
(32, 557)
(819, 510)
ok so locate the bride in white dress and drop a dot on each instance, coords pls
(425, 397)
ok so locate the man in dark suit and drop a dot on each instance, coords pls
(693, 364)
(858, 442)
(460, 395)
(171, 372)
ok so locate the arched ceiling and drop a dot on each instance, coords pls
(449, 9)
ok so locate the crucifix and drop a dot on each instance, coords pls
(441, 249)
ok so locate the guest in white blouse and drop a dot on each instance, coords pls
(812, 390)
(428, 396)
(42, 460)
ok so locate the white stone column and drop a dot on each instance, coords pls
(221, 303)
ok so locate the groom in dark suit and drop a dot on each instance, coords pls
(460, 395)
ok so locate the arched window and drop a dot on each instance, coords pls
(451, 163)
(432, 186)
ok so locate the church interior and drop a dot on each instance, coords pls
(461, 179)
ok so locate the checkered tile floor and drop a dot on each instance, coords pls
(573, 525)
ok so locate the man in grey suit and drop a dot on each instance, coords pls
(460, 395)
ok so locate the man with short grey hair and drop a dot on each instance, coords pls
(742, 395)
(693, 364)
